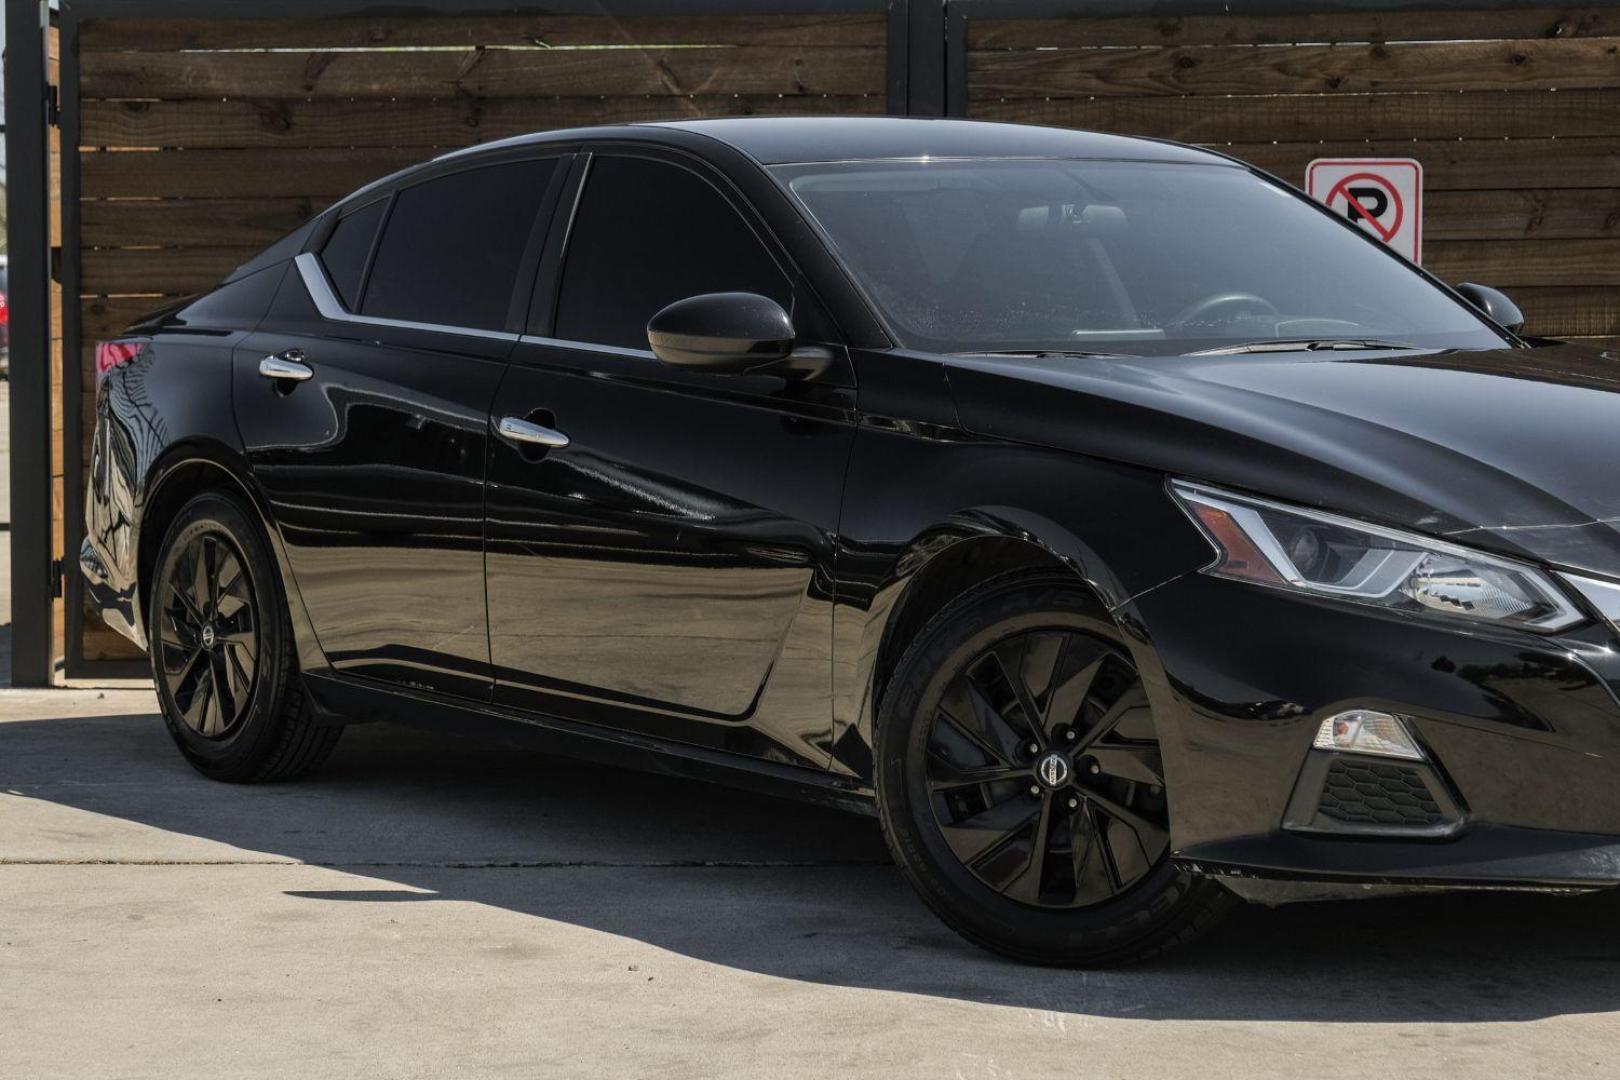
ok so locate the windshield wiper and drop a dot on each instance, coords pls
(1302, 345)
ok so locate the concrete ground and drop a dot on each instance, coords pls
(428, 907)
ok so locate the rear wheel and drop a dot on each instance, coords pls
(222, 650)
(1022, 787)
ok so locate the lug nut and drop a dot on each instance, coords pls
(1035, 790)
(1094, 769)
(1074, 803)
(1070, 735)
(1033, 748)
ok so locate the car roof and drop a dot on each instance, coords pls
(778, 140)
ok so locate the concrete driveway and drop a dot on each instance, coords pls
(428, 907)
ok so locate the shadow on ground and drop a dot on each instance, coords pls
(763, 885)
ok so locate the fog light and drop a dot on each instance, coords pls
(1363, 731)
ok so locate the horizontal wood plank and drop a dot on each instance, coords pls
(452, 122)
(1507, 264)
(743, 69)
(193, 222)
(104, 317)
(1452, 165)
(1612, 344)
(1525, 213)
(167, 35)
(1298, 69)
(169, 271)
(1570, 311)
(1299, 118)
(1434, 24)
(226, 174)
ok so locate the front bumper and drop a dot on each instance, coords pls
(1523, 732)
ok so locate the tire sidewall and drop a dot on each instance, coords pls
(222, 515)
(1037, 935)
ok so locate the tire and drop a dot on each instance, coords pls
(222, 650)
(969, 793)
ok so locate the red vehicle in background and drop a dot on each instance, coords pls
(5, 319)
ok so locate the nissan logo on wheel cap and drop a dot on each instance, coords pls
(1053, 770)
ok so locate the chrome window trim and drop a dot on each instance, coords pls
(330, 307)
(589, 346)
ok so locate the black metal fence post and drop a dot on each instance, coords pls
(925, 58)
(29, 269)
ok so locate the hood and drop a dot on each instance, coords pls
(1514, 450)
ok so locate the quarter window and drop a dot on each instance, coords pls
(648, 233)
(449, 254)
(347, 249)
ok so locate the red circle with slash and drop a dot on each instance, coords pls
(1342, 190)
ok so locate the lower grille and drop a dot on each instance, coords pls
(1360, 795)
(1369, 794)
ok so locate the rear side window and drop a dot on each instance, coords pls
(648, 233)
(346, 250)
(450, 252)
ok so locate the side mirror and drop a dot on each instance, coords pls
(725, 333)
(1494, 303)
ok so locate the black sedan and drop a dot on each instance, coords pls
(1127, 531)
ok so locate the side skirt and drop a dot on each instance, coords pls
(350, 700)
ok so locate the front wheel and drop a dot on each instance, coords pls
(1022, 788)
(222, 650)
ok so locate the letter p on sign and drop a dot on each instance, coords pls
(1382, 196)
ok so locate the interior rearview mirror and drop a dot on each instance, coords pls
(1494, 303)
(724, 333)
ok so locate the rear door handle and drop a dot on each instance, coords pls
(522, 431)
(287, 365)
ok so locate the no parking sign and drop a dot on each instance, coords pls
(1384, 196)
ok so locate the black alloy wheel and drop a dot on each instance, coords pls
(1044, 771)
(208, 637)
(1022, 785)
(223, 655)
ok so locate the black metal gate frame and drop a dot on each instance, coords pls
(927, 76)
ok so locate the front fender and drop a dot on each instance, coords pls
(913, 497)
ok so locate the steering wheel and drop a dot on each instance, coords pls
(1202, 310)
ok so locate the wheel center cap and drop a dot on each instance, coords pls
(1053, 770)
(208, 637)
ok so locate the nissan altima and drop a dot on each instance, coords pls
(1126, 531)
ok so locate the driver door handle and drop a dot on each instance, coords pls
(287, 365)
(522, 431)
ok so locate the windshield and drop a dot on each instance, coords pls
(1114, 257)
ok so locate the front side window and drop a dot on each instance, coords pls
(450, 251)
(1113, 256)
(648, 233)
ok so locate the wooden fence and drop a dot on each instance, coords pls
(202, 141)
(1515, 115)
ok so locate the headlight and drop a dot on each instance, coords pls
(1293, 548)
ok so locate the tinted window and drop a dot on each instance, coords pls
(450, 252)
(1127, 257)
(347, 249)
(646, 234)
